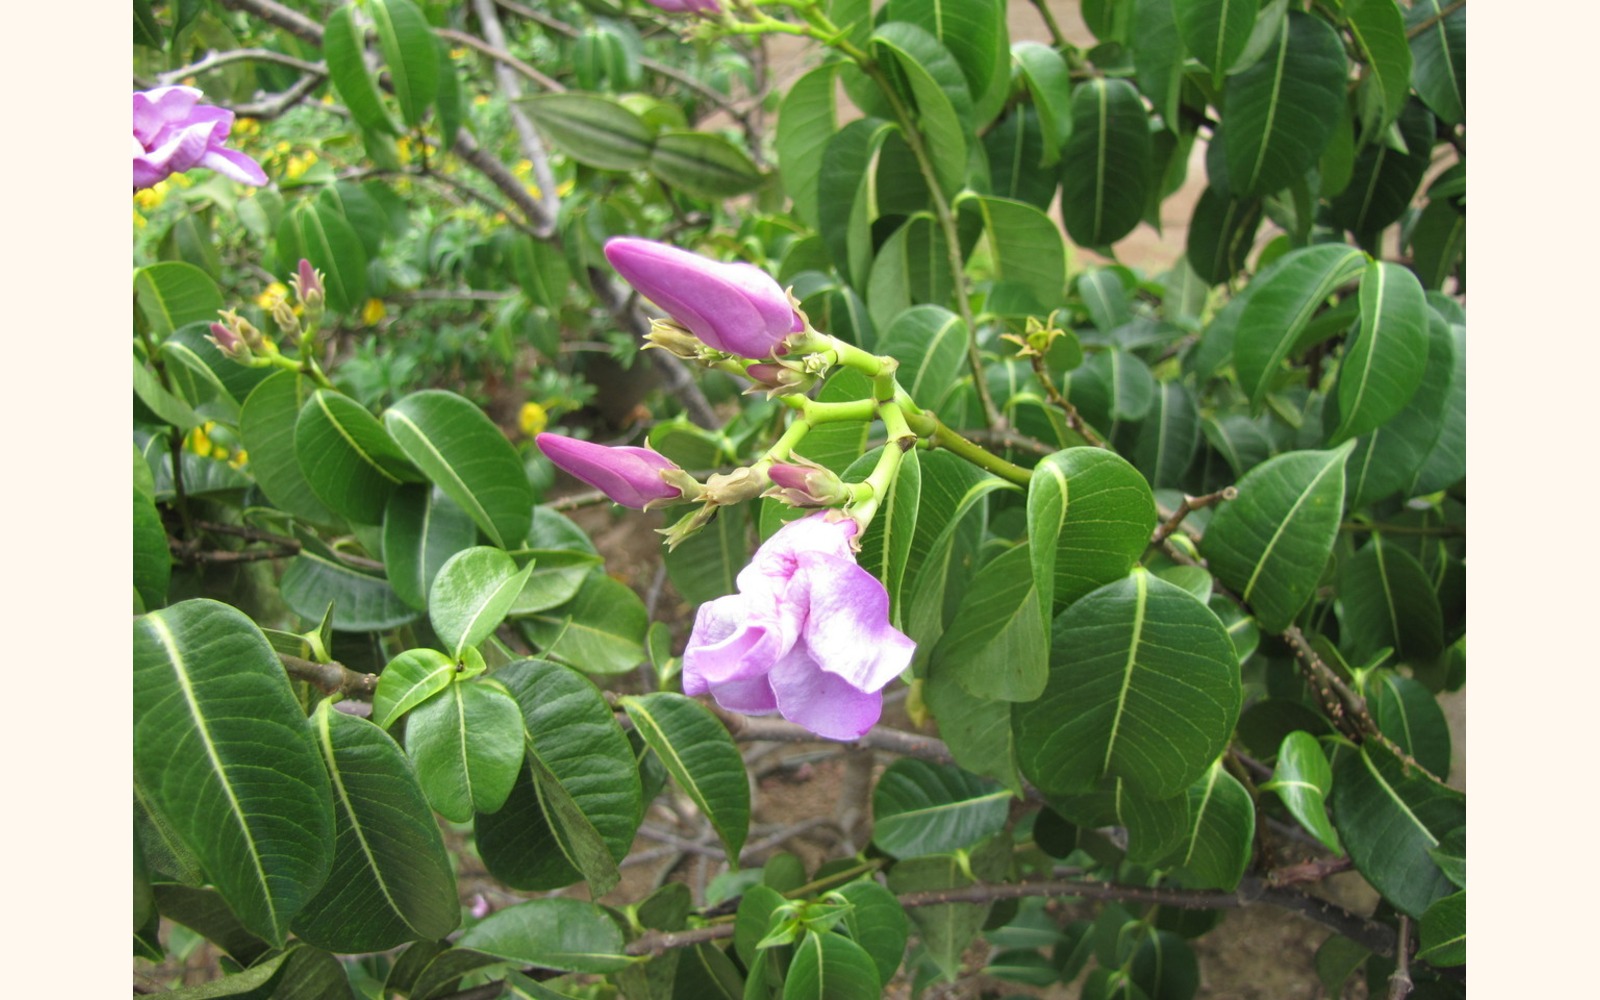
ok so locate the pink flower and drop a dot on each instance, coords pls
(737, 307)
(686, 6)
(807, 635)
(629, 476)
(173, 132)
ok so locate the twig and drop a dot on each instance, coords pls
(269, 108)
(1422, 26)
(500, 55)
(215, 59)
(1009, 438)
(188, 553)
(1074, 418)
(292, 21)
(331, 678)
(496, 173)
(1190, 505)
(1307, 871)
(755, 728)
(1400, 979)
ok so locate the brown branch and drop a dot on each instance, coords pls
(1422, 26)
(214, 59)
(1400, 979)
(755, 728)
(292, 21)
(1190, 505)
(331, 678)
(188, 552)
(502, 56)
(1074, 419)
(496, 173)
(1307, 871)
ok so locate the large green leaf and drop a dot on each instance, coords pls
(255, 983)
(459, 448)
(844, 196)
(1105, 170)
(1408, 713)
(1217, 848)
(1390, 820)
(912, 267)
(422, 529)
(565, 934)
(1446, 460)
(1016, 149)
(266, 428)
(578, 742)
(1442, 932)
(947, 929)
(1168, 436)
(594, 130)
(702, 759)
(1388, 601)
(391, 880)
(205, 912)
(1050, 82)
(1215, 31)
(943, 101)
(1379, 30)
(703, 165)
(1439, 54)
(575, 834)
(1281, 111)
(830, 966)
(346, 457)
(600, 631)
(976, 730)
(320, 233)
(563, 556)
(877, 923)
(973, 31)
(930, 343)
(174, 294)
(1384, 180)
(1302, 779)
(923, 808)
(344, 49)
(471, 595)
(1025, 246)
(1271, 544)
(362, 599)
(807, 119)
(1277, 306)
(243, 789)
(1090, 519)
(996, 646)
(1221, 234)
(152, 561)
(1144, 685)
(1158, 55)
(466, 742)
(1384, 364)
(412, 54)
(1391, 457)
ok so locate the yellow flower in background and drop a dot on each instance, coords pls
(200, 440)
(283, 146)
(246, 126)
(139, 221)
(458, 53)
(566, 187)
(523, 168)
(299, 164)
(151, 197)
(404, 148)
(532, 419)
(239, 459)
(272, 295)
(480, 99)
(184, 180)
(373, 311)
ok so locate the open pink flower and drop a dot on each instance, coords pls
(736, 307)
(807, 635)
(629, 476)
(173, 132)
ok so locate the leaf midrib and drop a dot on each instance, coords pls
(1283, 525)
(475, 509)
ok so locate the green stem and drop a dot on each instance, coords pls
(871, 491)
(928, 426)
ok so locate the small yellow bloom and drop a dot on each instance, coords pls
(566, 187)
(458, 53)
(184, 180)
(480, 99)
(372, 312)
(151, 197)
(139, 221)
(239, 459)
(523, 168)
(246, 126)
(272, 295)
(532, 419)
(200, 440)
(283, 146)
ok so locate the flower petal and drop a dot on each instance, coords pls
(821, 701)
(731, 641)
(847, 623)
(235, 165)
(752, 697)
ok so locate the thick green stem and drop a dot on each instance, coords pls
(928, 426)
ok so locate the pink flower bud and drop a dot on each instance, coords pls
(629, 476)
(173, 132)
(229, 343)
(737, 308)
(806, 486)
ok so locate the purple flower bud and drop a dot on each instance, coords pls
(173, 132)
(806, 485)
(807, 635)
(686, 6)
(737, 308)
(629, 476)
(229, 343)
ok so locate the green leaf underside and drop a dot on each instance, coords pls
(565, 934)
(923, 808)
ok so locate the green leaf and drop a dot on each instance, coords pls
(1050, 83)
(912, 267)
(321, 234)
(877, 923)
(1158, 58)
(703, 165)
(1271, 543)
(471, 595)
(542, 271)
(1168, 436)
(706, 972)
(244, 790)
(450, 109)
(1439, 59)
(1156, 827)
(391, 880)
(576, 738)
(466, 742)
(844, 196)
(565, 934)
(1383, 366)
(930, 343)
(704, 566)
(1221, 234)
(1282, 110)
(194, 379)
(887, 543)
(1446, 461)
(600, 631)
(346, 457)
(996, 646)
(702, 759)
(1165, 967)
(362, 600)
(166, 406)
(1384, 180)
(923, 808)
(1302, 780)
(460, 449)
(830, 966)
(1144, 685)
(1408, 714)
(1389, 602)
(422, 529)
(1389, 821)
(595, 131)
(947, 929)
(976, 730)
(255, 983)
(1025, 246)
(973, 31)
(1443, 930)
(580, 842)
(1392, 456)
(344, 50)
(412, 54)
(562, 556)
(1217, 849)
(1105, 163)
(146, 28)
(152, 561)
(1215, 31)
(807, 119)
(409, 680)
(939, 90)
(1016, 149)
(1279, 303)
(205, 912)
(267, 431)
(1379, 30)
(751, 921)
(1106, 516)
(1451, 856)
(173, 295)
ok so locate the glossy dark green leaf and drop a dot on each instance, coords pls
(1389, 821)
(996, 646)
(1156, 827)
(411, 53)
(1392, 456)
(1168, 436)
(912, 267)
(1379, 31)
(1144, 685)
(1281, 301)
(922, 808)
(752, 920)
(702, 759)
(1281, 111)
(362, 599)
(1165, 967)
(600, 631)
(1158, 55)
(1446, 460)
(1439, 58)
(152, 561)
(829, 966)
(1271, 543)
(1302, 779)
(407, 681)
(706, 972)
(205, 912)
(244, 791)
(1221, 234)
(1217, 849)
(459, 448)
(321, 234)
(146, 28)
(1095, 514)
(565, 934)
(705, 565)
(703, 164)
(1442, 931)
(1408, 714)
(1388, 601)
(1383, 366)
(346, 457)
(342, 47)
(391, 880)
(193, 377)
(466, 742)
(1016, 150)
(471, 595)
(173, 294)
(1025, 245)
(594, 130)
(1384, 180)
(255, 983)
(313, 974)
(422, 529)
(807, 119)
(939, 89)
(930, 343)
(973, 30)
(267, 430)
(1214, 31)
(575, 834)
(844, 196)
(1050, 83)
(1105, 170)
(450, 109)
(877, 923)
(976, 730)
